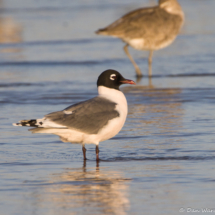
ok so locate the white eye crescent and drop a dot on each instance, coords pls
(113, 77)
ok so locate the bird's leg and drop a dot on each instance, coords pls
(150, 62)
(150, 82)
(150, 57)
(137, 69)
(84, 165)
(84, 152)
(97, 152)
(97, 165)
(150, 71)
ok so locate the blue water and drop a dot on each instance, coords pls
(161, 162)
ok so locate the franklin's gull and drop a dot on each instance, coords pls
(90, 121)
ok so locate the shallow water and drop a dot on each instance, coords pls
(163, 158)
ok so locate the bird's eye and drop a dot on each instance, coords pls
(113, 77)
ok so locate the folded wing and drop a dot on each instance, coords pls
(88, 117)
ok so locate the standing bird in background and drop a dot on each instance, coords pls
(150, 28)
(92, 121)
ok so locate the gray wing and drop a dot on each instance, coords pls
(88, 116)
(145, 22)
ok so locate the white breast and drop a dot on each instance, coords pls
(115, 125)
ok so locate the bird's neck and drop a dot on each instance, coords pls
(112, 94)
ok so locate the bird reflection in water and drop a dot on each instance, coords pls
(154, 112)
(97, 189)
(139, 78)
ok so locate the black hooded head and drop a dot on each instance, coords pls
(112, 79)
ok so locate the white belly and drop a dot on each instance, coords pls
(142, 44)
(138, 44)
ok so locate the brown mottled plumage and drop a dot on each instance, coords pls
(148, 28)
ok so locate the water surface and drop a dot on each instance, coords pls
(161, 161)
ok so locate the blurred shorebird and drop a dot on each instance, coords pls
(150, 28)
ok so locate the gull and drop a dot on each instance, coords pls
(88, 122)
(149, 29)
